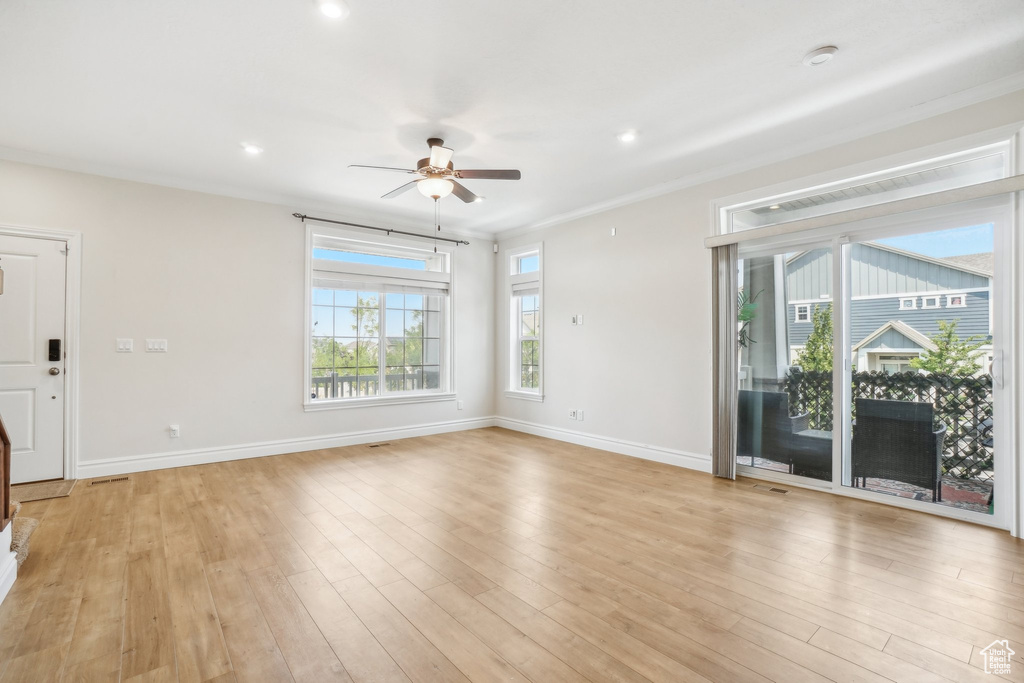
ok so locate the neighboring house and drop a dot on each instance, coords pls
(898, 299)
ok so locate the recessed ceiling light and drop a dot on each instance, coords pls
(251, 148)
(773, 207)
(627, 136)
(478, 199)
(333, 9)
(820, 56)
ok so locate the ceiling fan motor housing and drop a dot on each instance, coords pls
(425, 164)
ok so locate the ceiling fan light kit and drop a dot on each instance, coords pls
(439, 178)
(435, 187)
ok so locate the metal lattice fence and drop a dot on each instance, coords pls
(963, 404)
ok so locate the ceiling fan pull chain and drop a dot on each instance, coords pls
(437, 220)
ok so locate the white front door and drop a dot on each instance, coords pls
(32, 355)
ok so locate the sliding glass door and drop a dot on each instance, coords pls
(923, 308)
(784, 310)
(872, 362)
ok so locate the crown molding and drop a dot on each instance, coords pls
(307, 205)
(921, 112)
(291, 203)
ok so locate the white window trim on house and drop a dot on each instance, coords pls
(520, 282)
(912, 301)
(937, 298)
(375, 277)
(895, 295)
(802, 313)
(950, 297)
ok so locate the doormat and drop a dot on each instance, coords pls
(58, 488)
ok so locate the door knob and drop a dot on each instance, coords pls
(54, 371)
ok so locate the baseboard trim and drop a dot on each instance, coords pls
(8, 562)
(668, 456)
(204, 456)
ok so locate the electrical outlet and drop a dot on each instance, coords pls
(572, 414)
(579, 319)
(460, 405)
(175, 431)
(579, 415)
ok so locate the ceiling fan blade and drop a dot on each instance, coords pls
(489, 175)
(382, 168)
(440, 156)
(399, 190)
(464, 193)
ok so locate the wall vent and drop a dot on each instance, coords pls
(770, 489)
(107, 481)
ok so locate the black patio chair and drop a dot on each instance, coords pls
(897, 440)
(765, 429)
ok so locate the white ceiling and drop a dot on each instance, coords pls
(165, 91)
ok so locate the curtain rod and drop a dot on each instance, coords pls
(303, 217)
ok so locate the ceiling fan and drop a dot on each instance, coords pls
(438, 178)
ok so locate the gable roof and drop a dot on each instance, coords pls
(904, 329)
(967, 263)
(981, 262)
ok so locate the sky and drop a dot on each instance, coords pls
(975, 239)
(371, 259)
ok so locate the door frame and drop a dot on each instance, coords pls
(72, 330)
(1009, 256)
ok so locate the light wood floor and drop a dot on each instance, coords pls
(491, 555)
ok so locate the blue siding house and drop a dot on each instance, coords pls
(898, 299)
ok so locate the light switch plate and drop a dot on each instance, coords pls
(125, 345)
(156, 346)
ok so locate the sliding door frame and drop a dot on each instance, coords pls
(1005, 210)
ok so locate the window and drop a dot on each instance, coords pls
(524, 276)
(908, 304)
(892, 365)
(956, 300)
(959, 169)
(930, 301)
(803, 313)
(380, 324)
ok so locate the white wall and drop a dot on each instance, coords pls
(640, 367)
(222, 280)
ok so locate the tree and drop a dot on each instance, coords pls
(952, 355)
(817, 353)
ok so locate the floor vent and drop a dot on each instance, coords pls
(770, 489)
(378, 445)
(107, 481)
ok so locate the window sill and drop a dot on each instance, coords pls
(339, 404)
(525, 396)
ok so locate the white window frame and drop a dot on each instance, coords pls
(912, 300)
(517, 282)
(373, 277)
(937, 298)
(949, 300)
(999, 141)
(802, 308)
